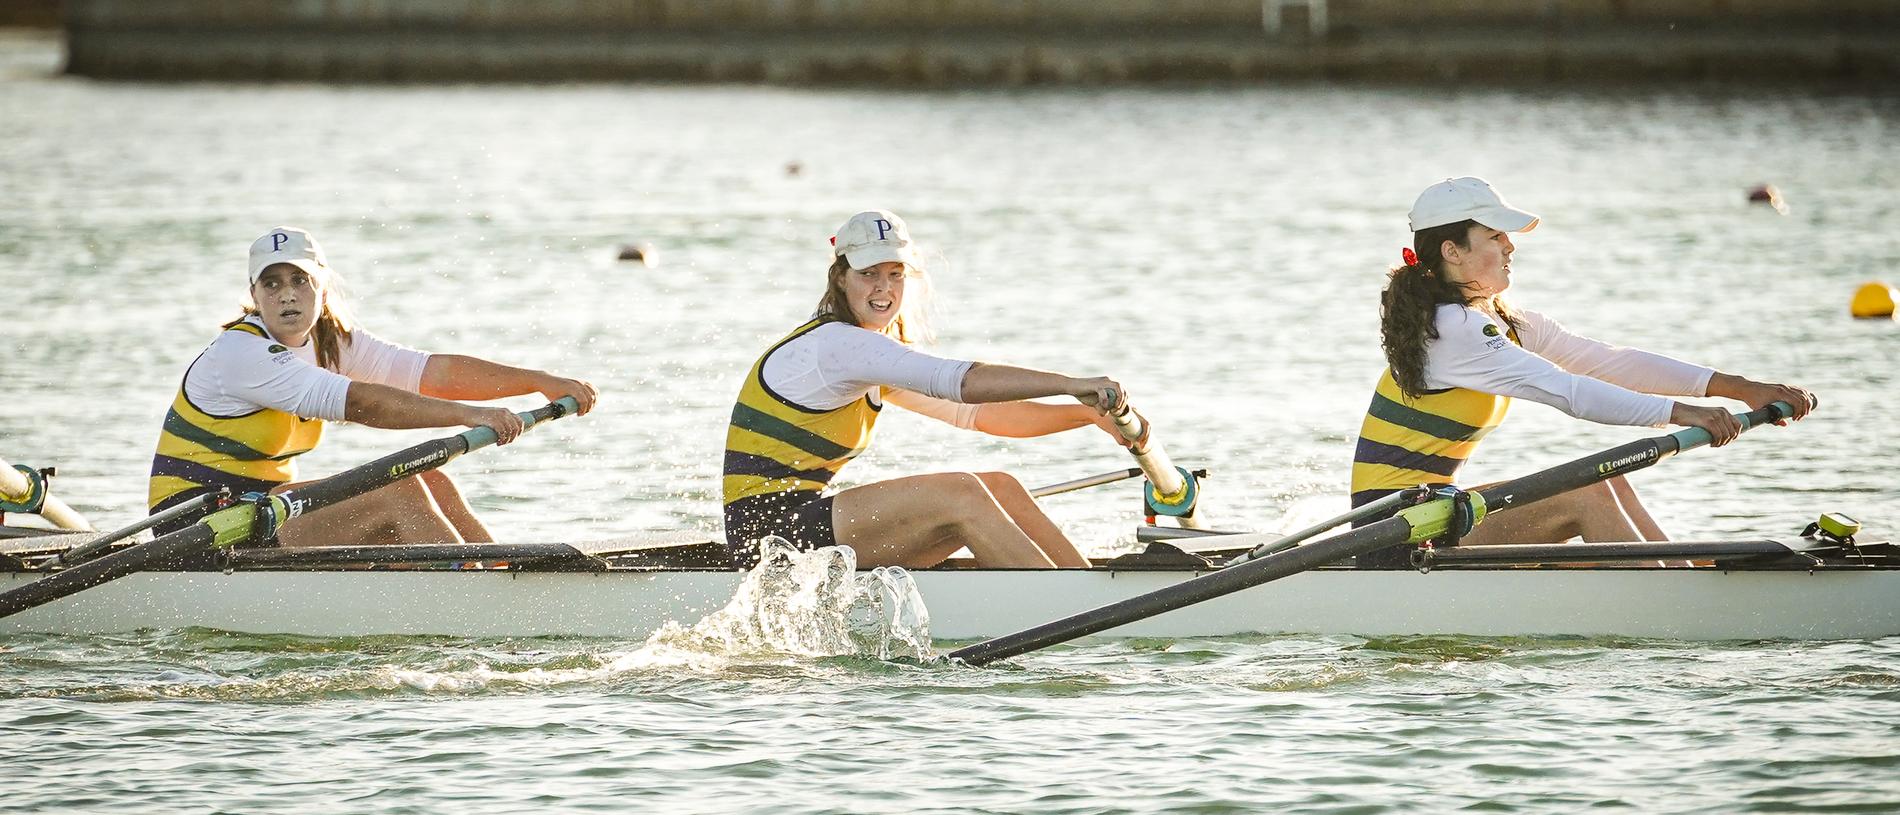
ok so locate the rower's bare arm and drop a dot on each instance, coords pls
(460, 377)
(985, 383)
(1026, 419)
(397, 409)
(1760, 394)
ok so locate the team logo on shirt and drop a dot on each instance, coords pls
(276, 349)
(1490, 329)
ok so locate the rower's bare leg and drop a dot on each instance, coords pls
(1633, 507)
(919, 520)
(1591, 513)
(1639, 514)
(1029, 517)
(455, 508)
(401, 513)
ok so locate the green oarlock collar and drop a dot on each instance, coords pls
(1433, 518)
(234, 525)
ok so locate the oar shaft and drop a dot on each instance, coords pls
(58, 513)
(1152, 458)
(1173, 493)
(1613, 462)
(92, 547)
(1410, 525)
(1382, 505)
(397, 466)
(15, 486)
(1085, 482)
(1389, 532)
(111, 567)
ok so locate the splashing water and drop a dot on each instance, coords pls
(812, 604)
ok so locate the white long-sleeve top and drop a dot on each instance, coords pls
(1577, 375)
(838, 363)
(241, 372)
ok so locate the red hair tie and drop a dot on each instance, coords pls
(1411, 257)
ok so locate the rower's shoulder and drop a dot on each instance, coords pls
(836, 331)
(1457, 317)
(238, 347)
(236, 338)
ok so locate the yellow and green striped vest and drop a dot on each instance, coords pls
(1407, 442)
(251, 452)
(776, 446)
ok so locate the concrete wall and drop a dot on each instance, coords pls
(29, 13)
(983, 41)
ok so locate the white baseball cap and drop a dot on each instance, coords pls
(288, 244)
(873, 237)
(1467, 199)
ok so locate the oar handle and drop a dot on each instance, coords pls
(1149, 455)
(1171, 490)
(479, 437)
(1692, 437)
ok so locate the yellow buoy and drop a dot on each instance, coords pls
(1873, 300)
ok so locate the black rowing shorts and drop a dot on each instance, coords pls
(803, 518)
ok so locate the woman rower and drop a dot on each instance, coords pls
(259, 395)
(1457, 355)
(809, 403)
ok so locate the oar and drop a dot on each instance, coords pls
(25, 487)
(1085, 482)
(241, 523)
(199, 505)
(1171, 490)
(1382, 505)
(1410, 525)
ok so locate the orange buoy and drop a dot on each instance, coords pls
(1873, 300)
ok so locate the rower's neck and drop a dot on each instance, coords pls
(290, 340)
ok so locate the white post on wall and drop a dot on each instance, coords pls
(1272, 10)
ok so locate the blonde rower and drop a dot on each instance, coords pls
(1458, 355)
(809, 404)
(259, 396)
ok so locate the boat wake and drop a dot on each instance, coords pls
(803, 604)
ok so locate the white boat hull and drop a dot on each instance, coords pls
(1698, 604)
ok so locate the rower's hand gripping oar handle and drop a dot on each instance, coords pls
(1691, 437)
(479, 437)
(1171, 490)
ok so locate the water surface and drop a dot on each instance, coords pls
(1220, 251)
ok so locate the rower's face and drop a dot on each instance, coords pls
(1485, 267)
(289, 300)
(876, 294)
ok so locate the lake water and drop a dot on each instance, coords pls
(1219, 251)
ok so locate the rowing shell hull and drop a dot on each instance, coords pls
(970, 604)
